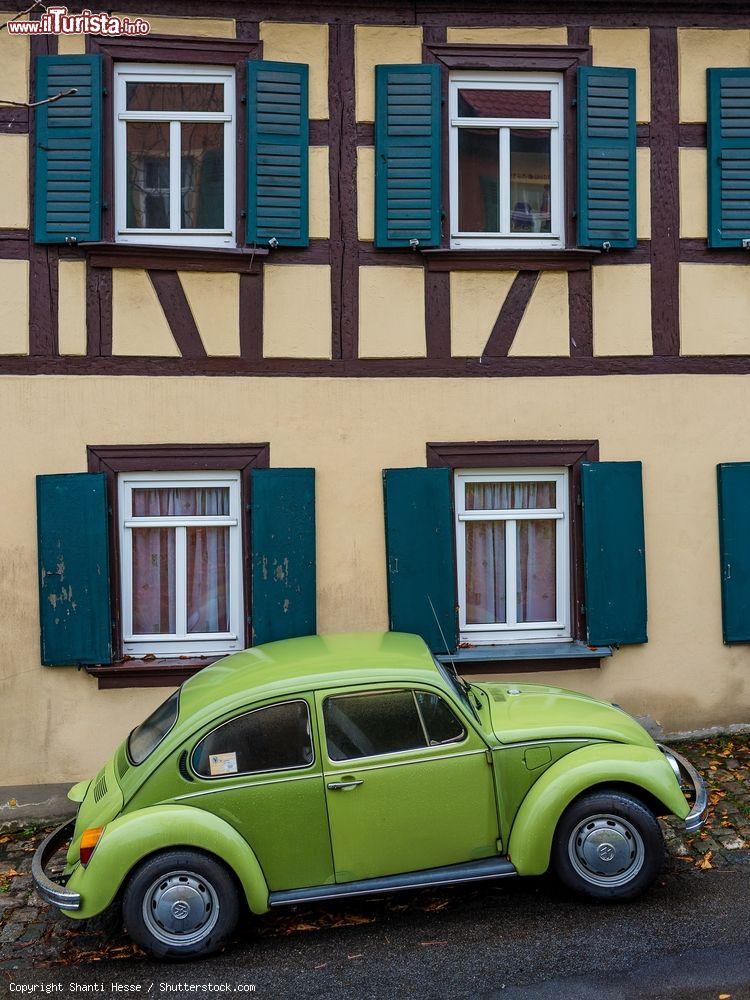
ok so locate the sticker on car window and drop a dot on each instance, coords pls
(222, 763)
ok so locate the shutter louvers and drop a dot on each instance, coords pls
(606, 157)
(407, 155)
(614, 553)
(728, 157)
(68, 154)
(73, 551)
(282, 532)
(734, 549)
(420, 553)
(278, 151)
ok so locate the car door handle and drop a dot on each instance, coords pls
(345, 786)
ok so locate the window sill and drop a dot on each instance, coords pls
(167, 671)
(509, 260)
(526, 657)
(169, 258)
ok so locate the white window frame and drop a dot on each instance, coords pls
(511, 630)
(181, 642)
(505, 239)
(125, 73)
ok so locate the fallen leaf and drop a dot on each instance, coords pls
(724, 996)
(434, 905)
(705, 862)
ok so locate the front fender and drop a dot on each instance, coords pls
(135, 835)
(602, 763)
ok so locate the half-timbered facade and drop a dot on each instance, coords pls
(347, 316)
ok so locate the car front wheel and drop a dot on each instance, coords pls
(608, 845)
(180, 904)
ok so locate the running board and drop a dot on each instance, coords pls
(470, 871)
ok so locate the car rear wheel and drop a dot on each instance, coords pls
(180, 904)
(608, 845)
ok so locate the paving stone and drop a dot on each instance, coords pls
(11, 932)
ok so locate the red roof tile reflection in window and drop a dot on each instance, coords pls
(504, 103)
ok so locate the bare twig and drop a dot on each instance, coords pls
(35, 104)
(36, 3)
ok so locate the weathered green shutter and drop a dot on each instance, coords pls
(68, 150)
(734, 549)
(73, 551)
(728, 157)
(278, 152)
(420, 552)
(407, 155)
(614, 553)
(282, 531)
(606, 157)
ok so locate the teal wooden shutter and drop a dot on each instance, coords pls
(614, 553)
(278, 153)
(68, 150)
(728, 157)
(734, 549)
(420, 552)
(606, 157)
(282, 531)
(407, 155)
(73, 551)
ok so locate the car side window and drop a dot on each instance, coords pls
(365, 725)
(273, 738)
(441, 724)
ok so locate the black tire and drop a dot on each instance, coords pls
(608, 845)
(180, 904)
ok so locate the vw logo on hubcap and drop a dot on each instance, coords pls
(180, 909)
(606, 852)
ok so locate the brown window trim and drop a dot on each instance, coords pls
(171, 49)
(240, 260)
(114, 459)
(447, 259)
(526, 455)
(564, 59)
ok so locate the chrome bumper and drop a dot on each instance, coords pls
(697, 815)
(50, 891)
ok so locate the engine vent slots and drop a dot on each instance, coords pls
(122, 765)
(182, 766)
(100, 787)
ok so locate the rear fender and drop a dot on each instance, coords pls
(132, 837)
(533, 829)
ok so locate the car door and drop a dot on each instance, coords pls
(260, 770)
(408, 782)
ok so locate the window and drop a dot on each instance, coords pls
(383, 722)
(181, 563)
(146, 738)
(275, 738)
(506, 160)
(174, 155)
(512, 547)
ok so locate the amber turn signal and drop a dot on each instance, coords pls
(89, 840)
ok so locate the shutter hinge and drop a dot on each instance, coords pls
(581, 608)
(243, 99)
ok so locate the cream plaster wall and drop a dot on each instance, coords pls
(643, 193)
(139, 326)
(509, 36)
(320, 198)
(14, 64)
(627, 47)
(714, 309)
(14, 307)
(14, 170)
(693, 193)
(214, 301)
(197, 27)
(301, 43)
(71, 306)
(544, 330)
(622, 309)
(366, 192)
(476, 300)
(71, 45)
(391, 312)
(349, 430)
(699, 50)
(290, 292)
(374, 45)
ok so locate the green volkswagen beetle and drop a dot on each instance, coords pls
(346, 765)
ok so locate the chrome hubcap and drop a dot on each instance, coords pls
(606, 850)
(180, 908)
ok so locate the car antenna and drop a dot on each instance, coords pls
(442, 636)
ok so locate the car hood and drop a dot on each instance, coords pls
(522, 712)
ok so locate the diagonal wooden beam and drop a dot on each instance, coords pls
(510, 315)
(176, 308)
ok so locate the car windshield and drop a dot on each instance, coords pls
(146, 738)
(460, 686)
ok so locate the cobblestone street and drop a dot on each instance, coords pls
(34, 935)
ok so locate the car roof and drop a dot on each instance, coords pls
(307, 663)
